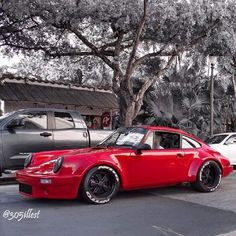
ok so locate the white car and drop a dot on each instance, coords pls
(225, 143)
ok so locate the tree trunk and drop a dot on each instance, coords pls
(126, 114)
(126, 110)
(129, 106)
(234, 84)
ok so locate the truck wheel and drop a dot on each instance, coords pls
(208, 177)
(99, 185)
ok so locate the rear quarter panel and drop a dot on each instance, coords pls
(205, 154)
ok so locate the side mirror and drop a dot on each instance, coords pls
(16, 123)
(143, 146)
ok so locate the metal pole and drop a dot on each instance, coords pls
(212, 101)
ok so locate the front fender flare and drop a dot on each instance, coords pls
(108, 164)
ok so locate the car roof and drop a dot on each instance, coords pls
(167, 129)
(164, 128)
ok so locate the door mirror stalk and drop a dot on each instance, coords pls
(141, 147)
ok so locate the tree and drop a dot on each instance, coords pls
(183, 99)
(127, 36)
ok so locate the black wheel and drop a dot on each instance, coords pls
(208, 177)
(99, 185)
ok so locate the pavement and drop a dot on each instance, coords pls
(167, 211)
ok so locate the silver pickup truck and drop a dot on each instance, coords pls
(40, 129)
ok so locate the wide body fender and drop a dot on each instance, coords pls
(195, 165)
(116, 167)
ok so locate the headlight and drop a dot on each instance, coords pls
(28, 160)
(57, 164)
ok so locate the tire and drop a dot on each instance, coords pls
(208, 177)
(99, 185)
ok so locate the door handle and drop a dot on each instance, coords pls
(45, 134)
(180, 155)
(85, 134)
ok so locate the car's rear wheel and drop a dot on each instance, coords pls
(208, 177)
(99, 185)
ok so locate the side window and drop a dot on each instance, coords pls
(163, 140)
(231, 140)
(149, 140)
(63, 120)
(31, 120)
(170, 140)
(189, 143)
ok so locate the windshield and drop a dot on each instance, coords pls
(216, 139)
(125, 137)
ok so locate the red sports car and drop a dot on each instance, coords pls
(130, 158)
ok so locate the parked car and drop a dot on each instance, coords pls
(130, 158)
(40, 129)
(225, 143)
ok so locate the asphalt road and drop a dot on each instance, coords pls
(166, 212)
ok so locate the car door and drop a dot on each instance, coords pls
(158, 166)
(30, 135)
(69, 131)
(229, 149)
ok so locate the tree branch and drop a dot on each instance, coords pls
(129, 69)
(78, 53)
(148, 83)
(90, 45)
(56, 53)
(150, 55)
(108, 45)
(36, 48)
(117, 71)
(233, 63)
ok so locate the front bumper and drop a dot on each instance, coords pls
(61, 187)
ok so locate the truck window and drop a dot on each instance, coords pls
(63, 120)
(32, 120)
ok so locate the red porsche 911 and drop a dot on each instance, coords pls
(131, 158)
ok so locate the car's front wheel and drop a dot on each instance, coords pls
(208, 177)
(99, 185)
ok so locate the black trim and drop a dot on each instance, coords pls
(25, 188)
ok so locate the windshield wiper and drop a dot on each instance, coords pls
(126, 145)
(105, 145)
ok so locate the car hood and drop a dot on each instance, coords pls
(97, 151)
(42, 157)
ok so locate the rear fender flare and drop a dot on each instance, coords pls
(193, 169)
(195, 165)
